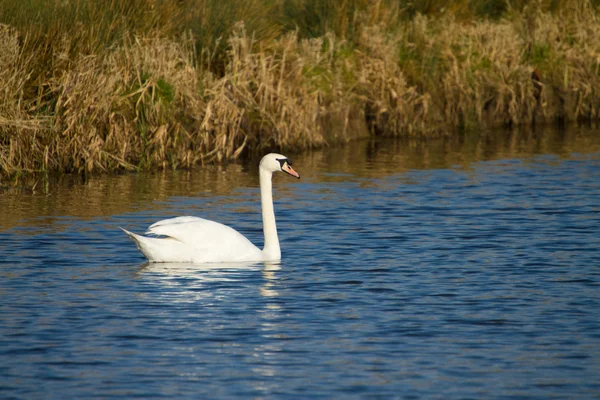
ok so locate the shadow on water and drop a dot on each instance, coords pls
(104, 195)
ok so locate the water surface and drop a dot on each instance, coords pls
(465, 268)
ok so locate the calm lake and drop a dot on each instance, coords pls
(451, 269)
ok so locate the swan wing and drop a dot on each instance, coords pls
(205, 240)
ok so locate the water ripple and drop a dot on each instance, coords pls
(441, 283)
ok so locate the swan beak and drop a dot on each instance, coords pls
(286, 168)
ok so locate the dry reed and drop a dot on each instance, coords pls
(152, 99)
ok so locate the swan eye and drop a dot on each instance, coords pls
(283, 161)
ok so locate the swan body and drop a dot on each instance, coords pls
(198, 240)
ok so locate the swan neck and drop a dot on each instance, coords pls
(271, 251)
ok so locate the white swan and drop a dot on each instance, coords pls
(198, 240)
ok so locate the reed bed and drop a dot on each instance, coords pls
(151, 84)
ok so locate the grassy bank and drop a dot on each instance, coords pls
(99, 86)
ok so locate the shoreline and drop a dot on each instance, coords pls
(570, 141)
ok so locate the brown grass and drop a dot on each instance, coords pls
(155, 100)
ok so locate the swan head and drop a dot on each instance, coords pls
(274, 162)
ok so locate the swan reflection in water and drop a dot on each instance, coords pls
(189, 278)
(222, 287)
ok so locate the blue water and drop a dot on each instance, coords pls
(465, 281)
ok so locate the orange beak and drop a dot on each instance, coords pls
(290, 170)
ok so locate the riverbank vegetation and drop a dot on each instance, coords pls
(137, 84)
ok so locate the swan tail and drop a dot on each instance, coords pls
(142, 243)
(158, 250)
(138, 240)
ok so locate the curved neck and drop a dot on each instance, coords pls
(271, 251)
